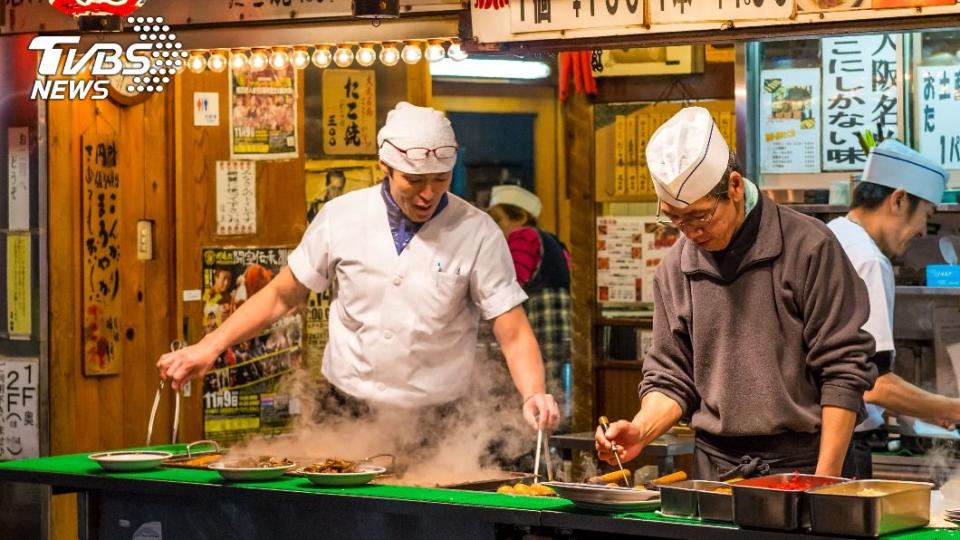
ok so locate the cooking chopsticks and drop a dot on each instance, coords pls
(605, 424)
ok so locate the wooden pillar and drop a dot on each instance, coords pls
(419, 84)
(578, 141)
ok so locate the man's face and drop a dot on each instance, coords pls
(722, 214)
(905, 226)
(417, 195)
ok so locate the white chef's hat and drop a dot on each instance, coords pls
(516, 196)
(897, 166)
(687, 157)
(409, 126)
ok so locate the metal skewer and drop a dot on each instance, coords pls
(605, 424)
(536, 461)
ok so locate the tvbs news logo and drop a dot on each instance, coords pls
(147, 65)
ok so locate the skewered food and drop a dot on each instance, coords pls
(332, 466)
(534, 490)
(258, 462)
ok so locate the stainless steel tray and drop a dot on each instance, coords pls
(845, 509)
(714, 505)
(680, 498)
(607, 499)
(757, 504)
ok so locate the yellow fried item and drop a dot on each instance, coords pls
(505, 489)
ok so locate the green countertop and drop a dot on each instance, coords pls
(80, 465)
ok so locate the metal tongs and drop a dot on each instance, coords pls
(175, 345)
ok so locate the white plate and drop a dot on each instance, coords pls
(364, 475)
(249, 474)
(607, 499)
(128, 461)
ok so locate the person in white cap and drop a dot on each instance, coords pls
(542, 264)
(897, 194)
(757, 322)
(413, 269)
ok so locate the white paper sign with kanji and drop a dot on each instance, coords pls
(938, 109)
(541, 15)
(19, 403)
(859, 93)
(236, 198)
(18, 178)
(697, 11)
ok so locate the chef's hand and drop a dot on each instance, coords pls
(541, 412)
(187, 364)
(625, 434)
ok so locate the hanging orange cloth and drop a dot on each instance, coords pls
(487, 4)
(578, 65)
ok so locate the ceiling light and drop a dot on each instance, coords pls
(456, 51)
(389, 55)
(366, 56)
(344, 55)
(217, 61)
(321, 56)
(411, 53)
(491, 68)
(279, 59)
(258, 60)
(197, 62)
(435, 51)
(238, 60)
(300, 57)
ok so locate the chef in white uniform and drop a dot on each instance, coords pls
(413, 268)
(898, 193)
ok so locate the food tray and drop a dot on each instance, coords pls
(758, 504)
(842, 509)
(680, 498)
(607, 499)
(714, 505)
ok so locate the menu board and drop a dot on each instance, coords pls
(859, 93)
(629, 249)
(790, 113)
(938, 108)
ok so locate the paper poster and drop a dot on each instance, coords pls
(620, 155)
(349, 111)
(236, 197)
(683, 11)
(938, 109)
(19, 406)
(100, 211)
(263, 113)
(629, 249)
(206, 109)
(542, 15)
(790, 112)
(242, 394)
(327, 179)
(19, 286)
(859, 93)
(18, 178)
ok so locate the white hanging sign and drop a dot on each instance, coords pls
(236, 197)
(19, 399)
(540, 15)
(695, 11)
(18, 178)
(938, 108)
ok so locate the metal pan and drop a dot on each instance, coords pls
(869, 507)
(680, 498)
(759, 503)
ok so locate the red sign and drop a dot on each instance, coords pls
(79, 8)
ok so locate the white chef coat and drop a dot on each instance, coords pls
(403, 328)
(877, 273)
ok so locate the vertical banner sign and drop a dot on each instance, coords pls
(242, 394)
(790, 106)
(620, 155)
(684, 11)
(236, 197)
(19, 287)
(859, 94)
(19, 395)
(263, 113)
(541, 15)
(101, 255)
(18, 178)
(349, 112)
(938, 106)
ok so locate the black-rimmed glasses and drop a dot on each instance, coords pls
(417, 153)
(691, 222)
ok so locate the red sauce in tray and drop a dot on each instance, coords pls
(795, 483)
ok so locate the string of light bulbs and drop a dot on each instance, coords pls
(340, 54)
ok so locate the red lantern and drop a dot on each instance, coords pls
(98, 15)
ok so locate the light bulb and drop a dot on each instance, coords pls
(258, 60)
(300, 57)
(197, 63)
(411, 53)
(435, 52)
(217, 61)
(366, 56)
(321, 56)
(279, 59)
(238, 60)
(344, 55)
(389, 55)
(456, 52)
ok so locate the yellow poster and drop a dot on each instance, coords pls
(19, 281)
(349, 112)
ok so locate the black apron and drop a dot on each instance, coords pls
(721, 458)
